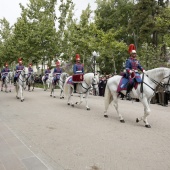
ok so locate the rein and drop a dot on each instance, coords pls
(154, 81)
(87, 89)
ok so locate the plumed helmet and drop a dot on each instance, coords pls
(133, 52)
(77, 57)
(6, 64)
(131, 47)
(20, 60)
(57, 63)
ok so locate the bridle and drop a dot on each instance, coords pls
(23, 76)
(157, 83)
(89, 86)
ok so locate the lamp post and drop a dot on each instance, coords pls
(114, 65)
(94, 60)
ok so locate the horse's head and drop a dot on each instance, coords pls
(95, 82)
(166, 78)
(92, 79)
(24, 73)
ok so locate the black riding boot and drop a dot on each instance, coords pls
(129, 88)
(74, 87)
(15, 79)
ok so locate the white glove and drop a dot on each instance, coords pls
(144, 71)
(130, 71)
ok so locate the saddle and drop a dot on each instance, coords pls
(123, 84)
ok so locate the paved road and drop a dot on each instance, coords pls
(55, 136)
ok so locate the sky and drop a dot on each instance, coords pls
(10, 9)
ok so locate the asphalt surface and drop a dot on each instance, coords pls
(60, 137)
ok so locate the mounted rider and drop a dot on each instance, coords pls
(5, 72)
(30, 71)
(47, 72)
(57, 72)
(78, 68)
(132, 66)
(19, 68)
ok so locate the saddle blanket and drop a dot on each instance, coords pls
(70, 81)
(77, 78)
(123, 84)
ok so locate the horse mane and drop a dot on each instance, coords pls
(156, 72)
(88, 77)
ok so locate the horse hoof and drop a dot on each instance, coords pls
(10, 91)
(50, 95)
(60, 97)
(72, 105)
(88, 108)
(137, 120)
(22, 100)
(148, 126)
(54, 96)
(76, 103)
(68, 103)
(122, 121)
(106, 116)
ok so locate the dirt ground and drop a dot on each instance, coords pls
(72, 138)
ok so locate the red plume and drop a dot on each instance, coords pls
(19, 59)
(57, 63)
(77, 57)
(131, 47)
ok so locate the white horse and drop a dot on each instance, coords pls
(7, 82)
(46, 84)
(31, 81)
(21, 84)
(90, 81)
(60, 84)
(150, 80)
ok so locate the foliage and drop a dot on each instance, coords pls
(41, 34)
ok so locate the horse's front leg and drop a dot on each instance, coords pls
(10, 86)
(69, 97)
(28, 87)
(44, 86)
(6, 88)
(81, 100)
(61, 92)
(17, 90)
(21, 92)
(53, 91)
(86, 97)
(2, 86)
(146, 112)
(33, 87)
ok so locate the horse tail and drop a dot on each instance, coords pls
(107, 97)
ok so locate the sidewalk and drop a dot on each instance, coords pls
(14, 154)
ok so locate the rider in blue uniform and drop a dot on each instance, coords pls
(19, 68)
(78, 68)
(132, 66)
(5, 72)
(57, 72)
(47, 72)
